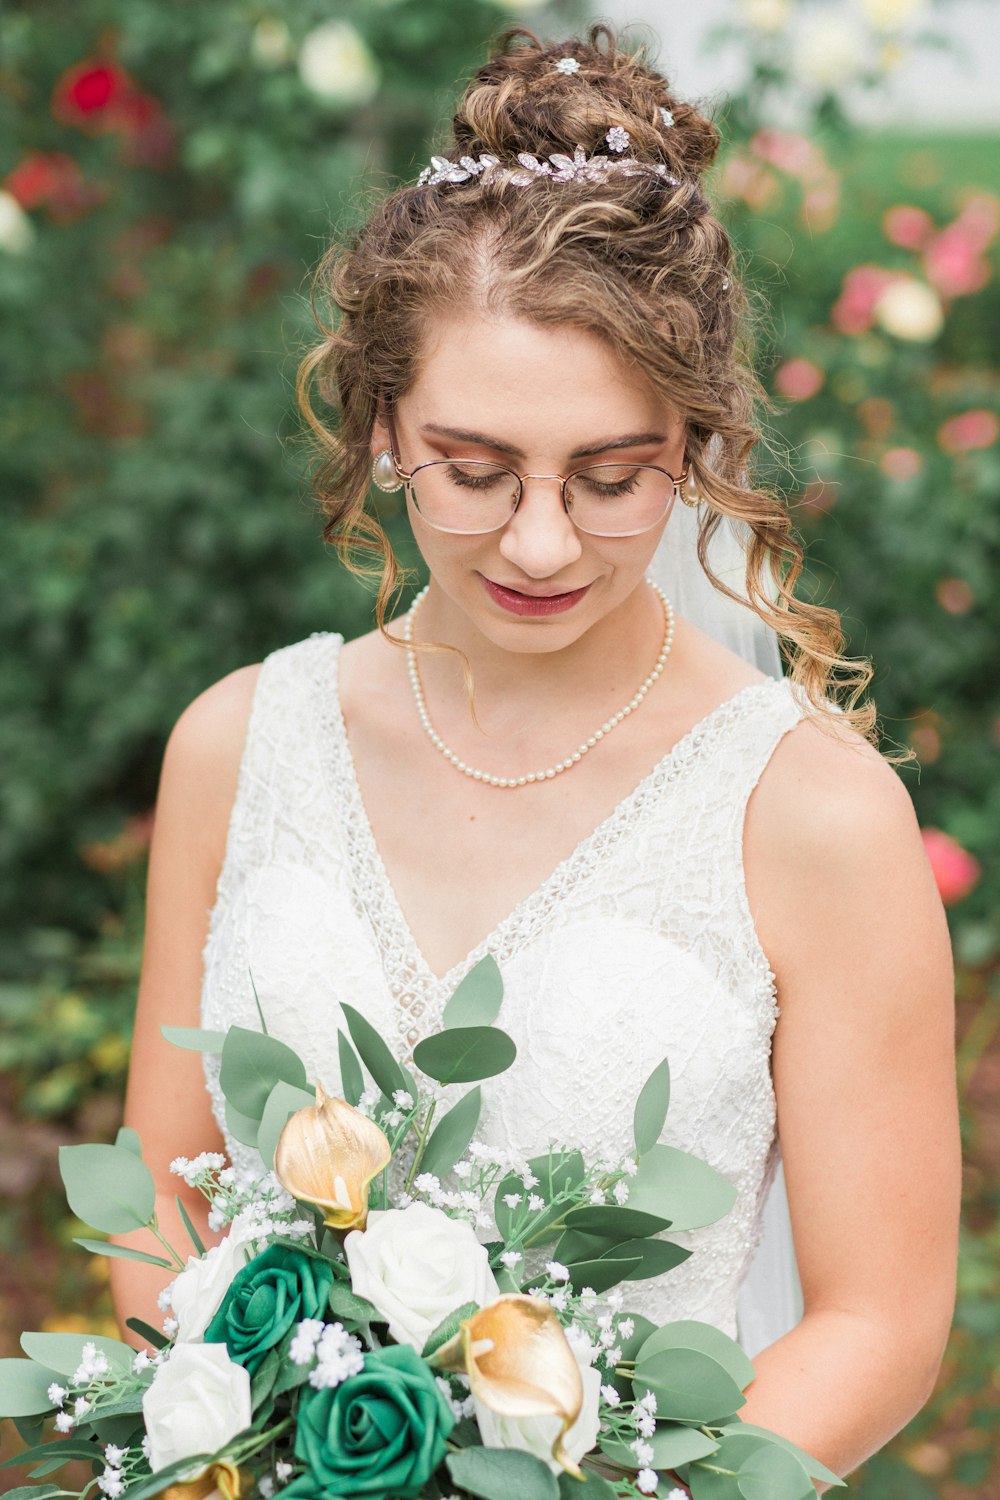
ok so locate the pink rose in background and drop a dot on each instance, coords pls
(978, 428)
(955, 869)
(863, 285)
(798, 379)
(907, 226)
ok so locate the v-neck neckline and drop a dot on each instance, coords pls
(373, 888)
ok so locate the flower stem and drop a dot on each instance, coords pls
(422, 1134)
(154, 1226)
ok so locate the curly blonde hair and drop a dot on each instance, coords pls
(637, 259)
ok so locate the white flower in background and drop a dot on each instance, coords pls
(889, 15)
(521, 7)
(196, 1294)
(16, 230)
(336, 64)
(417, 1265)
(910, 309)
(827, 47)
(199, 1400)
(271, 43)
(537, 1434)
(765, 15)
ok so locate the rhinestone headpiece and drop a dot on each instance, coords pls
(558, 168)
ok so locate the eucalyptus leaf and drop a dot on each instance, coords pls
(691, 1334)
(284, 1100)
(502, 1474)
(352, 1080)
(124, 1252)
(381, 1063)
(704, 1483)
(108, 1187)
(252, 1064)
(348, 1307)
(23, 1387)
(672, 1444)
(32, 1492)
(681, 1187)
(614, 1222)
(603, 1273)
(63, 1352)
(477, 1000)
(128, 1140)
(465, 1054)
(688, 1384)
(447, 1328)
(450, 1137)
(651, 1108)
(642, 1327)
(62, 1450)
(145, 1331)
(242, 1128)
(194, 1038)
(772, 1473)
(812, 1465)
(590, 1487)
(656, 1257)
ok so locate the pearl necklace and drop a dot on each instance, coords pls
(581, 750)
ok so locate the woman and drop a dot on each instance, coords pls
(657, 841)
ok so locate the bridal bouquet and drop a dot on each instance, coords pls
(364, 1329)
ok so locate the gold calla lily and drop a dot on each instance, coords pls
(220, 1481)
(328, 1155)
(519, 1363)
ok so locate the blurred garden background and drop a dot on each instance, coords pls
(169, 175)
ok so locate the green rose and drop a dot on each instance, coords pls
(380, 1432)
(266, 1299)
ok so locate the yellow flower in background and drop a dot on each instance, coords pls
(520, 1364)
(328, 1155)
(887, 15)
(909, 309)
(764, 15)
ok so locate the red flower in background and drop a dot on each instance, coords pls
(100, 98)
(955, 869)
(978, 428)
(53, 181)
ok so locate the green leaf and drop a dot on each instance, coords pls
(348, 1307)
(502, 1474)
(256, 1001)
(478, 998)
(194, 1038)
(252, 1064)
(384, 1067)
(642, 1328)
(651, 1108)
(23, 1385)
(352, 1080)
(656, 1257)
(283, 1101)
(772, 1473)
(731, 1452)
(465, 1054)
(264, 1378)
(672, 1444)
(688, 1385)
(451, 1135)
(612, 1222)
(32, 1492)
(812, 1465)
(56, 1453)
(108, 1187)
(241, 1126)
(192, 1233)
(447, 1328)
(145, 1331)
(123, 1252)
(63, 1352)
(690, 1334)
(590, 1487)
(558, 1173)
(603, 1273)
(681, 1187)
(128, 1140)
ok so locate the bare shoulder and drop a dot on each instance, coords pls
(202, 757)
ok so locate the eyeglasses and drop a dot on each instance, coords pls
(469, 497)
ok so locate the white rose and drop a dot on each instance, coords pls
(910, 309)
(417, 1265)
(199, 1400)
(826, 47)
(537, 1434)
(197, 1294)
(16, 229)
(335, 63)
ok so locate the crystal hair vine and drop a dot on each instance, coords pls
(558, 168)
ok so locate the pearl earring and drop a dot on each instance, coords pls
(384, 472)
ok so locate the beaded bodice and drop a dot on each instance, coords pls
(639, 945)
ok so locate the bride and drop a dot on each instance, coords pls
(577, 752)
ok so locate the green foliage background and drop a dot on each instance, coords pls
(159, 530)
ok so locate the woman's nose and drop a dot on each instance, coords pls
(540, 538)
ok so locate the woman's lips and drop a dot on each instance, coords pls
(527, 604)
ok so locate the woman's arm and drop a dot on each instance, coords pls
(864, 1073)
(166, 1099)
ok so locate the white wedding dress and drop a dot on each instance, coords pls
(639, 945)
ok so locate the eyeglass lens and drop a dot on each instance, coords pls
(605, 500)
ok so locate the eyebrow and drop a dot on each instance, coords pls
(631, 440)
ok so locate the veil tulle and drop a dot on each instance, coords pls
(770, 1298)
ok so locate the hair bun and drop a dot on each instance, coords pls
(522, 100)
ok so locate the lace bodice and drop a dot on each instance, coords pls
(639, 945)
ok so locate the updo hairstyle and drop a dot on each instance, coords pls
(642, 263)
